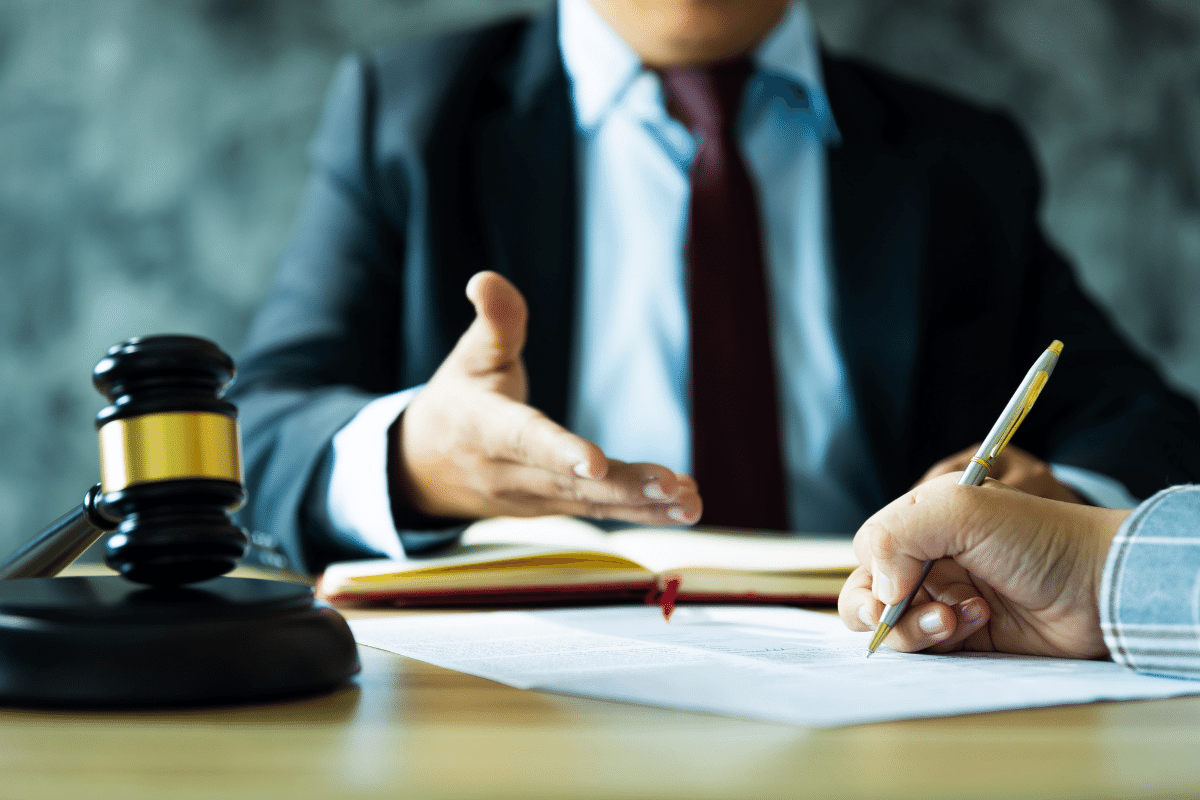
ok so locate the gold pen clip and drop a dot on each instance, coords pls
(1031, 397)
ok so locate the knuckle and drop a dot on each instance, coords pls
(562, 486)
(565, 488)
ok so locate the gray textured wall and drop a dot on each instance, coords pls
(152, 159)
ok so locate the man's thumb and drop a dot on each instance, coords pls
(496, 337)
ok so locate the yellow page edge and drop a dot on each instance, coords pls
(586, 559)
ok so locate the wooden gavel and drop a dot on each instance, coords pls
(171, 473)
(171, 470)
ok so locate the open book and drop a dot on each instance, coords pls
(552, 560)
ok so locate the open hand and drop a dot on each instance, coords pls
(471, 447)
(1015, 467)
(1014, 573)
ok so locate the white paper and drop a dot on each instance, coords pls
(770, 663)
(662, 549)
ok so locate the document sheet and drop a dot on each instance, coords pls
(769, 663)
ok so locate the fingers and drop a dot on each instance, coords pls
(857, 607)
(948, 611)
(496, 337)
(941, 617)
(471, 453)
(646, 494)
(895, 570)
(938, 627)
(965, 618)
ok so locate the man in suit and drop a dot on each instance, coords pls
(555, 169)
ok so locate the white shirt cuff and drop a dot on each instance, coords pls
(1100, 489)
(359, 504)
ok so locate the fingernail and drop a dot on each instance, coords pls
(581, 469)
(931, 622)
(676, 513)
(970, 612)
(885, 586)
(654, 491)
(864, 614)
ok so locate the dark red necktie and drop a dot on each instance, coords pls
(737, 459)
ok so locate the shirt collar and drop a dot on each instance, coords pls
(601, 66)
(790, 55)
(790, 50)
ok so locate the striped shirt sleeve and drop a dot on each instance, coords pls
(1150, 593)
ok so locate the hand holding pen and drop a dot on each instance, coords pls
(1014, 413)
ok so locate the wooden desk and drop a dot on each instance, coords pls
(408, 729)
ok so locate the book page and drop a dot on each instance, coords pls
(551, 533)
(769, 663)
(664, 549)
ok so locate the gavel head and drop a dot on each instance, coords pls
(170, 460)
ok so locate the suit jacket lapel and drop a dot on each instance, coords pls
(525, 157)
(879, 203)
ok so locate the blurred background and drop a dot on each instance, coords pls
(152, 159)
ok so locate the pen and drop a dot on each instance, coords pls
(985, 457)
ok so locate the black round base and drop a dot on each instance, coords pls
(106, 642)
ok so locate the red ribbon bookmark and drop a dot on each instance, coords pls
(669, 587)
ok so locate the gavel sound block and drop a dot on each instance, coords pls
(169, 631)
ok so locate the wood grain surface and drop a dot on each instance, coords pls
(409, 729)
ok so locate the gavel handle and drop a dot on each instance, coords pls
(61, 543)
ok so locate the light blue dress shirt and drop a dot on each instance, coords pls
(630, 391)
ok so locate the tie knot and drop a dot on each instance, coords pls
(709, 96)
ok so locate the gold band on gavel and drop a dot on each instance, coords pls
(160, 447)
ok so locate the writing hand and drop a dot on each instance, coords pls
(471, 447)
(1014, 573)
(1016, 468)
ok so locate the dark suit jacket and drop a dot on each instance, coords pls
(447, 156)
